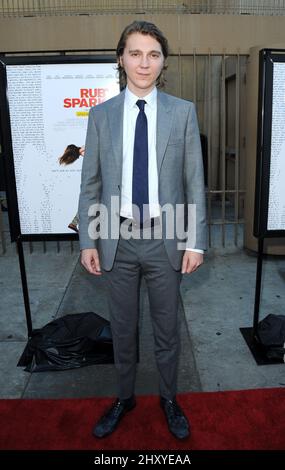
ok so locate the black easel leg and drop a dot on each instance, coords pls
(250, 334)
(258, 285)
(24, 286)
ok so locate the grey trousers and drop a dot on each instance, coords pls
(135, 258)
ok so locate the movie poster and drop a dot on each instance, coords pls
(49, 106)
(276, 205)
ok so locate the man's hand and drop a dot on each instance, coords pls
(90, 261)
(191, 261)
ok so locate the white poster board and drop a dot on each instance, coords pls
(269, 211)
(49, 105)
(276, 203)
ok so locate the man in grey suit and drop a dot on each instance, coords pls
(143, 152)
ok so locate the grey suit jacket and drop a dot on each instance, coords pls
(180, 173)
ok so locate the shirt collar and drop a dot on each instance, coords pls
(131, 99)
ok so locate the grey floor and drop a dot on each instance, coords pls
(215, 302)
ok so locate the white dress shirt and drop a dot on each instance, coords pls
(131, 112)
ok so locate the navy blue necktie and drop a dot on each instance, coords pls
(140, 162)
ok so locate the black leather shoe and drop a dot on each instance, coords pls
(109, 421)
(177, 422)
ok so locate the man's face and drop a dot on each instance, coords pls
(142, 61)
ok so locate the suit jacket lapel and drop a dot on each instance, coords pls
(164, 124)
(116, 119)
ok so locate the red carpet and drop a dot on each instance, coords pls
(249, 419)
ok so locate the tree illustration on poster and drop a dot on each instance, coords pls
(44, 105)
(269, 214)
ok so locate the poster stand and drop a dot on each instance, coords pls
(24, 286)
(56, 93)
(269, 190)
(250, 334)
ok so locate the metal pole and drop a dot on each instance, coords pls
(237, 155)
(194, 77)
(223, 145)
(209, 146)
(24, 285)
(258, 285)
(2, 237)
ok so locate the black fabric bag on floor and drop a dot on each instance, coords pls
(271, 336)
(71, 341)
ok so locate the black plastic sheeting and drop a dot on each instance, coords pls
(71, 341)
(271, 336)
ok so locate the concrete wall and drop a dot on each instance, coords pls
(186, 32)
